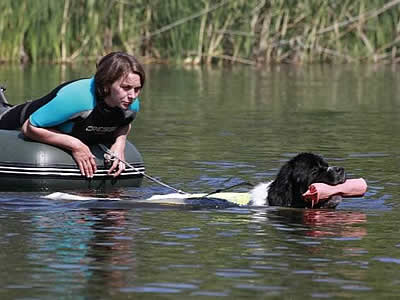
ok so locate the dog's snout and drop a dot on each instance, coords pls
(335, 169)
(339, 170)
(338, 173)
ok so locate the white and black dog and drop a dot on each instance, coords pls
(294, 178)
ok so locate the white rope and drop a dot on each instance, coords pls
(114, 156)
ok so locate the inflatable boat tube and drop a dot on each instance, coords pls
(26, 165)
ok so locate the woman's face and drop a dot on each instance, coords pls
(124, 91)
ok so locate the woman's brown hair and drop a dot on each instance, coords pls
(112, 67)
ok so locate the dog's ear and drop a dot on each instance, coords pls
(280, 192)
(288, 187)
(300, 181)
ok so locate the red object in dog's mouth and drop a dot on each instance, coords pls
(320, 191)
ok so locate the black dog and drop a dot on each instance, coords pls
(293, 180)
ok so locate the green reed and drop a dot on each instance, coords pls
(204, 31)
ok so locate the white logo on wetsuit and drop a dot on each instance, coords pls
(100, 129)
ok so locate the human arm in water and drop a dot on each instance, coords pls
(80, 151)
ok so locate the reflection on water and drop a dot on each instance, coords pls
(327, 223)
(233, 253)
(201, 129)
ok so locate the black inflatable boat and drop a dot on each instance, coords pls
(28, 165)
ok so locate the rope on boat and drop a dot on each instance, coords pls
(114, 156)
(2, 96)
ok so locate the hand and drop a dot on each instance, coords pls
(118, 166)
(85, 160)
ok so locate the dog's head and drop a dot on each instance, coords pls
(297, 174)
(308, 168)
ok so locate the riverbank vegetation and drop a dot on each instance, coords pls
(203, 31)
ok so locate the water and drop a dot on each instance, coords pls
(207, 128)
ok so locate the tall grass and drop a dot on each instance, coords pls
(203, 31)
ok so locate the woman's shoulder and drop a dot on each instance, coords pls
(81, 85)
(81, 90)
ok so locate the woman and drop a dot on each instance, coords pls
(85, 111)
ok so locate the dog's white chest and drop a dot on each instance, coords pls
(259, 194)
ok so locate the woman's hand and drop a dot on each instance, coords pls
(85, 160)
(118, 148)
(118, 166)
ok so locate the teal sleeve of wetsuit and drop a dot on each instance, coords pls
(72, 99)
(135, 106)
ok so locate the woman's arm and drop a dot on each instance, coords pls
(80, 152)
(118, 148)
